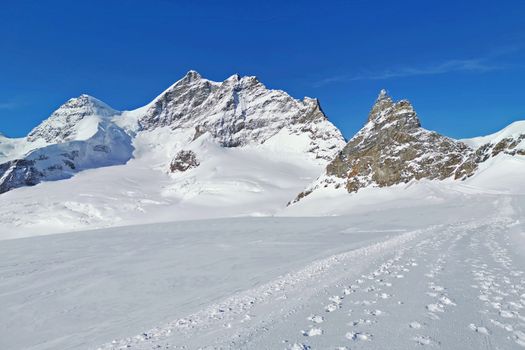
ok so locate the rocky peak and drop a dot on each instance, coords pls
(70, 121)
(237, 112)
(509, 141)
(192, 76)
(387, 113)
(392, 148)
(383, 102)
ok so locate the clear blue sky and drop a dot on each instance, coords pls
(461, 63)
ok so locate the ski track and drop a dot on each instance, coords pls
(447, 286)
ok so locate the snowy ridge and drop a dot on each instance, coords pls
(509, 141)
(252, 149)
(204, 149)
(237, 112)
(240, 111)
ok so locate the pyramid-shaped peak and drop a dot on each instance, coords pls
(387, 112)
(64, 124)
(192, 75)
(383, 95)
(383, 102)
(87, 104)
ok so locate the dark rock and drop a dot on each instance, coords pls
(184, 160)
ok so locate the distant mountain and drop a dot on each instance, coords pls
(199, 149)
(86, 133)
(79, 135)
(205, 149)
(240, 111)
(393, 148)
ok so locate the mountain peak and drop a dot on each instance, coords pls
(240, 111)
(392, 148)
(71, 121)
(383, 95)
(191, 76)
(387, 113)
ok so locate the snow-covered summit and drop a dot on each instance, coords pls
(77, 119)
(240, 111)
(79, 135)
(85, 133)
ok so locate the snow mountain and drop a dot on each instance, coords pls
(240, 111)
(77, 119)
(205, 149)
(199, 149)
(79, 135)
(393, 148)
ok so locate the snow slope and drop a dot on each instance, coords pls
(248, 181)
(388, 278)
(499, 175)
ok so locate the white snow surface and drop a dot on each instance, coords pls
(253, 180)
(445, 272)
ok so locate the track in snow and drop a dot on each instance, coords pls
(447, 286)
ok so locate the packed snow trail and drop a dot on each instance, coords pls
(450, 286)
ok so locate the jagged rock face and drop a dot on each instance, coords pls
(18, 173)
(240, 111)
(183, 161)
(507, 146)
(392, 148)
(86, 133)
(508, 141)
(70, 122)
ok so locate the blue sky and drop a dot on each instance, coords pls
(461, 63)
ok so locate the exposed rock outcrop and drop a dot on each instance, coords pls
(393, 148)
(241, 111)
(183, 161)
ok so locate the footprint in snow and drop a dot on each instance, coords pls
(316, 319)
(362, 322)
(435, 308)
(373, 312)
(415, 325)
(446, 301)
(331, 307)
(506, 314)
(425, 340)
(519, 338)
(312, 332)
(478, 329)
(384, 296)
(358, 336)
(336, 299)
